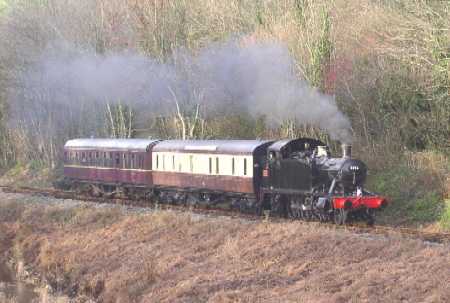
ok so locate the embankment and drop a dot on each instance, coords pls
(114, 254)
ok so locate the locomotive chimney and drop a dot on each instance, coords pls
(346, 151)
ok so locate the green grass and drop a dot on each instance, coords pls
(16, 170)
(444, 221)
(414, 195)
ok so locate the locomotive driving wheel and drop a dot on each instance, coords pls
(296, 212)
(340, 216)
(280, 205)
(296, 206)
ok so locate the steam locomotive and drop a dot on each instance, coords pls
(291, 178)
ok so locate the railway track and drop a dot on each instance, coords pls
(434, 237)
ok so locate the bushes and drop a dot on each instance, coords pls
(389, 73)
(415, 195)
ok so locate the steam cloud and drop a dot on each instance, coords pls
(257, 78)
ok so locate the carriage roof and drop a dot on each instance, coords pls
(111, 144)
(212, 146)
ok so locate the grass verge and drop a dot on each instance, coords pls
(111, 256)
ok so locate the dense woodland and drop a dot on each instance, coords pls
(386, 63)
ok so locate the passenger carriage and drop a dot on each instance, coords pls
(230, 166)
(109, 161)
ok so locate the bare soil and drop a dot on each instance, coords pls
(112, 255)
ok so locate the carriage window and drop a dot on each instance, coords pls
(117, 159)
(210, 165)
(245, 167)
(217, 165)
(133, 164)
(232, 166)
(191, 163)
(164, 162)
(157, 161)
(141, 161)
(173, 162)
(65, 156)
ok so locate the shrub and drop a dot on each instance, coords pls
(415, 195)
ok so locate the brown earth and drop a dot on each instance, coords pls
(114, 255)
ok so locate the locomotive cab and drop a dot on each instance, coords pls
(289, 168)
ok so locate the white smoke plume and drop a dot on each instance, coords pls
(258, 78)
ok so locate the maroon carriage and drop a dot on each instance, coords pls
(109, 161)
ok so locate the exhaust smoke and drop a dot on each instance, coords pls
(68, 84)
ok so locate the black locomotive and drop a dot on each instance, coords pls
(302, 180)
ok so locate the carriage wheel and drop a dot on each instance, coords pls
(297, 213)
(280, 205)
